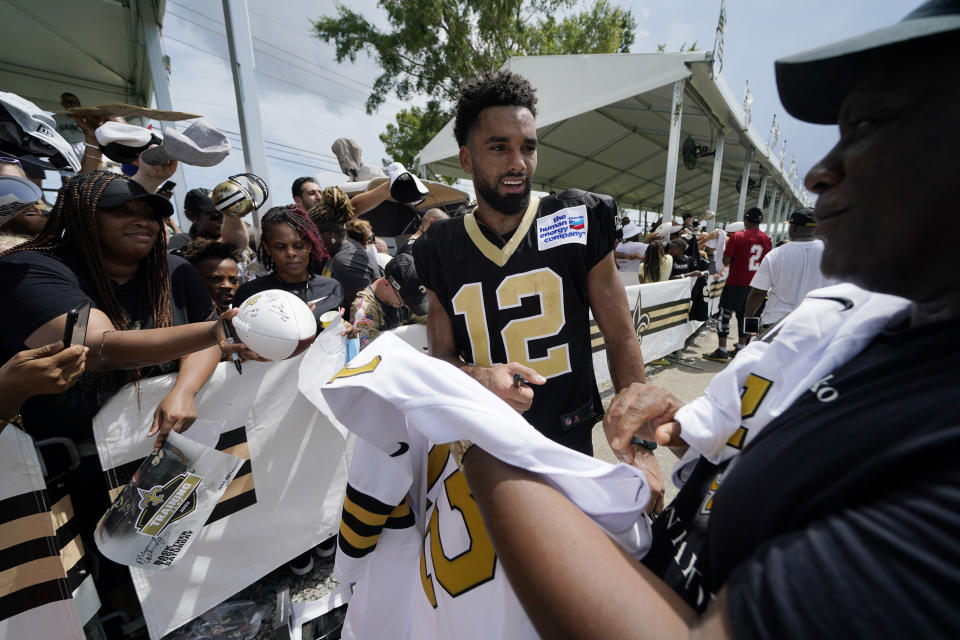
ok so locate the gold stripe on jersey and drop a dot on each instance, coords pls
(500, 256)
(362, 514)
(436, 461)
(738, 437)
(349, 372)
(361, 526)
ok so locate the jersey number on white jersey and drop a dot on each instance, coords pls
(478, 563)
(516, 335)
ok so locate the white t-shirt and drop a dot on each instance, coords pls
(788, 273)
(718, 244)
(628, 265)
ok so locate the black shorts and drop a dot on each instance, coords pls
(734, 298)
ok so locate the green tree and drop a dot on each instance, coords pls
(432, 46)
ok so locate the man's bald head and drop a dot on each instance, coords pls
(431, 216)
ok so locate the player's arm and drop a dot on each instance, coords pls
(498, 378)
(571, 578)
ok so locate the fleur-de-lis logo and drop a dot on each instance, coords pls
(150, 498)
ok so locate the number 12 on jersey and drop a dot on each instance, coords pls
(547, 286)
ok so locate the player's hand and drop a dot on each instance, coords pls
(500, 379)
(176, 411)
(645, 411)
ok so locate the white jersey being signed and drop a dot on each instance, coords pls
(830, 326)
(412, 541)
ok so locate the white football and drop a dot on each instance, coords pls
(276, 324)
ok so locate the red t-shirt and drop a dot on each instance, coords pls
(746, 249)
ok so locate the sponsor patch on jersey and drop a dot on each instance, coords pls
(563, 227)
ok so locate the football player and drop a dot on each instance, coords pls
(512, 284)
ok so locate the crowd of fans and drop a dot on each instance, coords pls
(161, 298)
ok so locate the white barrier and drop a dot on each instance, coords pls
(35, 594)
(285, 500)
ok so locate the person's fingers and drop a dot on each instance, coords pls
(249, 354)
(667, 434)
(157, 422)
(184, 424)
(69, 355)
(44, 351)
(528, 374)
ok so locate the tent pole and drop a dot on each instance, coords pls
(240, 44)
(744, 185)
(161, 92)
(763, 187)
(715, 182)
(673, 150)
(774, 201)
(780, 215)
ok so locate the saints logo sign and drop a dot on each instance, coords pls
(163, 505)
(641, 320)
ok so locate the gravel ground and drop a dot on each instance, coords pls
(685, 377)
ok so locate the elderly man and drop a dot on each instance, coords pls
(840, 519)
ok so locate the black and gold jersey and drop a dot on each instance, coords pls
(524, 298)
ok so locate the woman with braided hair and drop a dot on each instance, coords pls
(291, 248)
(349, 263)
(103, 244)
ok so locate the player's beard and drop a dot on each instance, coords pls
(509, 205)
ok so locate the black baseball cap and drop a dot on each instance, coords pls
(121, 190)
(754, 214)
(199, 200)
(401, 273)
(803, 218)
(813, 84)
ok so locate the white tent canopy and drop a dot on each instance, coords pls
(95, 50)
(603, 124)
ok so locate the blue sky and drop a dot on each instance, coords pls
(307, 100)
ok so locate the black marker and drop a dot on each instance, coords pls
(232, 339)
(646, 444)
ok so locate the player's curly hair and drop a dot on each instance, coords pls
(73, 223)
(497, 89)
(293, 216)
(204, 248)
(333, 209)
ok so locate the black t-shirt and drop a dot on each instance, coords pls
(842, 518)
(42, 285)
(352, 268)
(530, 304)
(178, 241)
(326, 291)
(684, 265)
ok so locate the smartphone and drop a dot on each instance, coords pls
(167, 186)
(751, 325)
(75, 331)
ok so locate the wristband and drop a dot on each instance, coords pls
(92, 146)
